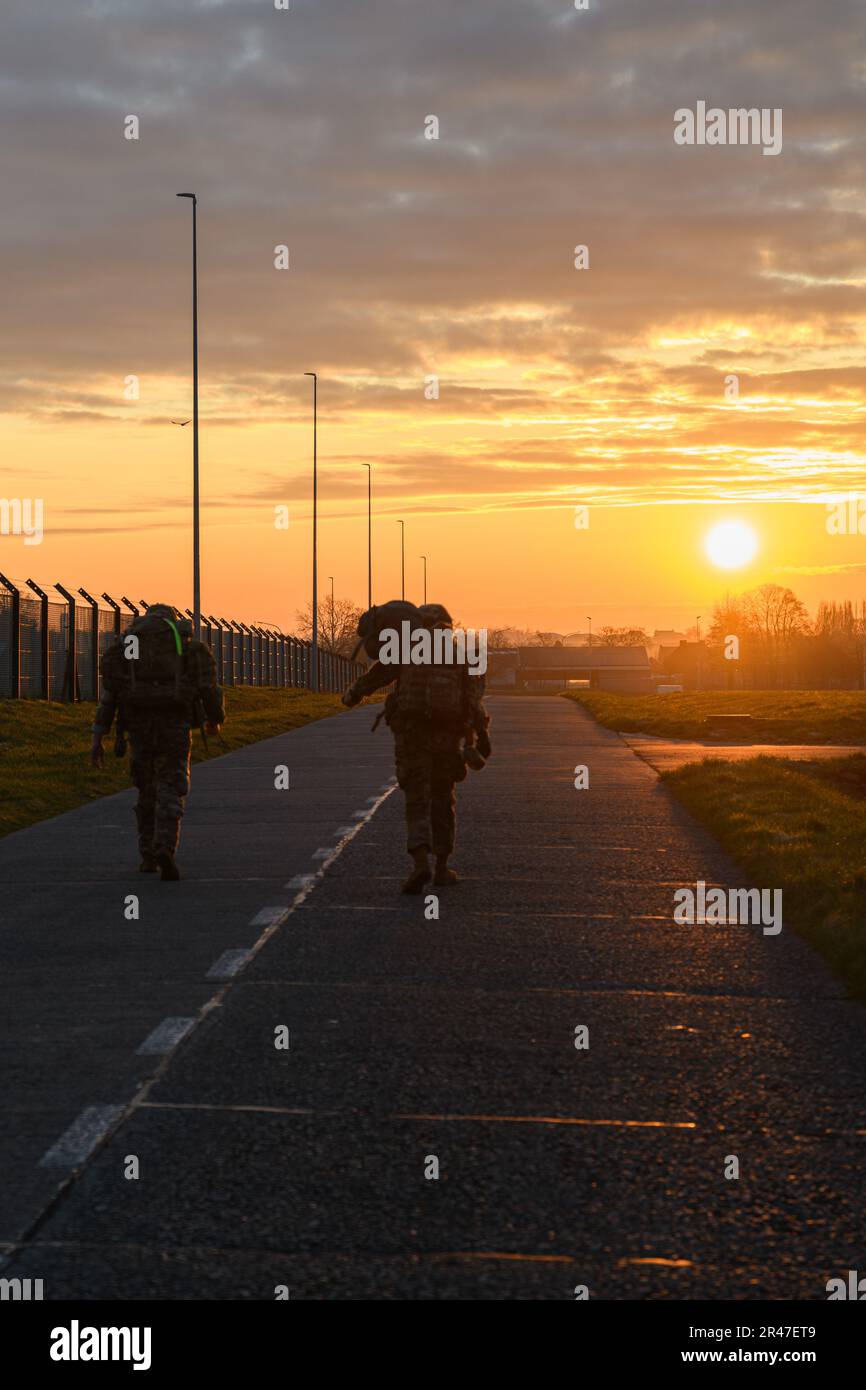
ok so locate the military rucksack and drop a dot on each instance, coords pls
(156, 677)
(383, 617)
(433, 694)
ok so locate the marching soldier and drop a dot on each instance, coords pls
(159, 682)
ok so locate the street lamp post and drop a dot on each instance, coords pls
(196, 539)
(369, 468)
(402, 526)
(589, 620)
(315, 641)
(333, 624)
(424, 558)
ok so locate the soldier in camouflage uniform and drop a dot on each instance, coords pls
(159, 731)
(429, 758)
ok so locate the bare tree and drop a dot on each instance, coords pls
(776, 612)
(622, 637)
(776, 619)
(338, 624)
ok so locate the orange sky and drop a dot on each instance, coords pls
(408, 257)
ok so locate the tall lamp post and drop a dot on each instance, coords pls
(333, 624)
(369, 468)
(424, 558)
(589, 620)
(315, 642)
(196, 538)
(402, 526)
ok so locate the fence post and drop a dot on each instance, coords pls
(116, 606)
(130, 605)
(238, 644)
(14, 640)
(216, 624)
(245, 633)
(70, 675)
(255, 666)
(231, 636)
(94, 640)
(43, 614)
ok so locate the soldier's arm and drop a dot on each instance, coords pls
(105, 712)
(478, 714)
(375, 679)
(205, 677)
(102, 722)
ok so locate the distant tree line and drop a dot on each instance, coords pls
(780, 646)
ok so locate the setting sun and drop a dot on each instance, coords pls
(731, 544)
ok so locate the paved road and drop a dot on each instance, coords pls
(665, 755)
(414, 1040)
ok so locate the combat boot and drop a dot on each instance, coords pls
(168, 870)
(420, 873)
(443, 875)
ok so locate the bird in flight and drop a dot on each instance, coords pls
(180, 422)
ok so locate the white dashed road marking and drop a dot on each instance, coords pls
(269, 915)
(82, 1137)
(93, 1124)
(229, 963)
(165, 1036)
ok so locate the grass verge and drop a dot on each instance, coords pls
(44, 748)
(796, 826)
(781, 716)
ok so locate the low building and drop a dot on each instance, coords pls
(624, 669)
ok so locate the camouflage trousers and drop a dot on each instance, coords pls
(428, 764)
(159, 764)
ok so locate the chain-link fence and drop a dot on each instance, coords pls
(50, 648)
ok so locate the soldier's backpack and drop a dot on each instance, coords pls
(155, 678)
(379, 619)
(433, 694)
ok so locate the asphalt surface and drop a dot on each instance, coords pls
(416, 1041)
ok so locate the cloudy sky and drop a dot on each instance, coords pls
(410, 258)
